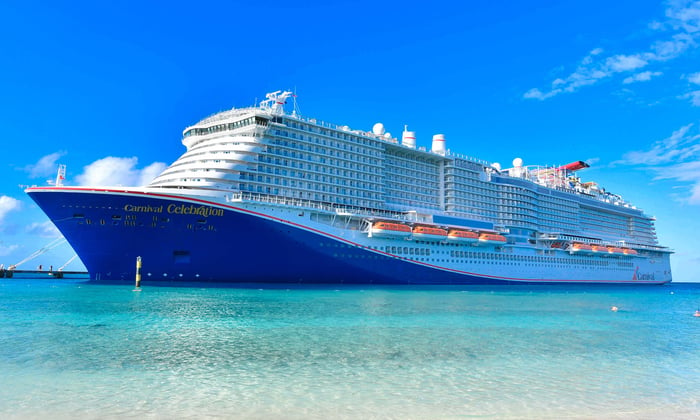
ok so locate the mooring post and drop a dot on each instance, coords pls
(138, 273)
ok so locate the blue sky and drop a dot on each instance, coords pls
(107, 88)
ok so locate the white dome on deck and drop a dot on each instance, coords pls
(378, 129)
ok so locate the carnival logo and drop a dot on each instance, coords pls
(642, 276)
(143, 209)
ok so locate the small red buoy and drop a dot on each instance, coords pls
(697, 313)
(614, 309)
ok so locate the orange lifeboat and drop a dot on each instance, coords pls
(390, 230)
(613, 250)
(598, 248)
(580, 248)
(629, 252)
(462, 236)
(426, 233)
(491, 239)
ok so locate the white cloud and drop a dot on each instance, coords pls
(694, 97)
(151, 171)
(535, 93)
(684, 14)
(644, 76)
(683, 17)
(114, 171)
(695, 194)
(676, 157)
(672, 48)
(45, 229)
(45, 166)
(7, 250)
(8, 204)
(620, 63)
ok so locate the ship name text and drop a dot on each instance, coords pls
(203, 211)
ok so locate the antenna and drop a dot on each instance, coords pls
(296, 112)
(61, 175)
(274, 104)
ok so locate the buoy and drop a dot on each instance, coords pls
(614, 309)
(138, 274)
(697, 313)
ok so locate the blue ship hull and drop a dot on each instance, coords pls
(188, 239)
(241, 247)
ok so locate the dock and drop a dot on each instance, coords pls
(43, 274)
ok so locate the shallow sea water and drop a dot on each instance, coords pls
(70, 349)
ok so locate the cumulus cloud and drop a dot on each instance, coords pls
(45, 166)
(114, 171)
(644, 76)
(8, 204)
(676, 157)
(151, 171)
(682, 17)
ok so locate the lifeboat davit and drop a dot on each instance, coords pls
(629, 252)
(580, 248)
(425, 233)
(491, 239)
(390, 230)
(462, 236)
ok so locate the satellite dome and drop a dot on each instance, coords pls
(517, 162)
(378, 129)
(496, 166)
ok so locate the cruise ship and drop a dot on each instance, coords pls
(264, 194)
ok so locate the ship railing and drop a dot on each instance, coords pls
(468, 158)
(370, 134)
(343, 210)
(224, 115)
(603, 242)
(657, 248)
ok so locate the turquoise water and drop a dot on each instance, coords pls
(74, 350)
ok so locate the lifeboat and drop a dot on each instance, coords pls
(629, 252)
(574, 166)
(462, 236)
(580, 248)
(613, 250)
(390, 230)
(597, 249)
(491, 239)
(425, 233)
